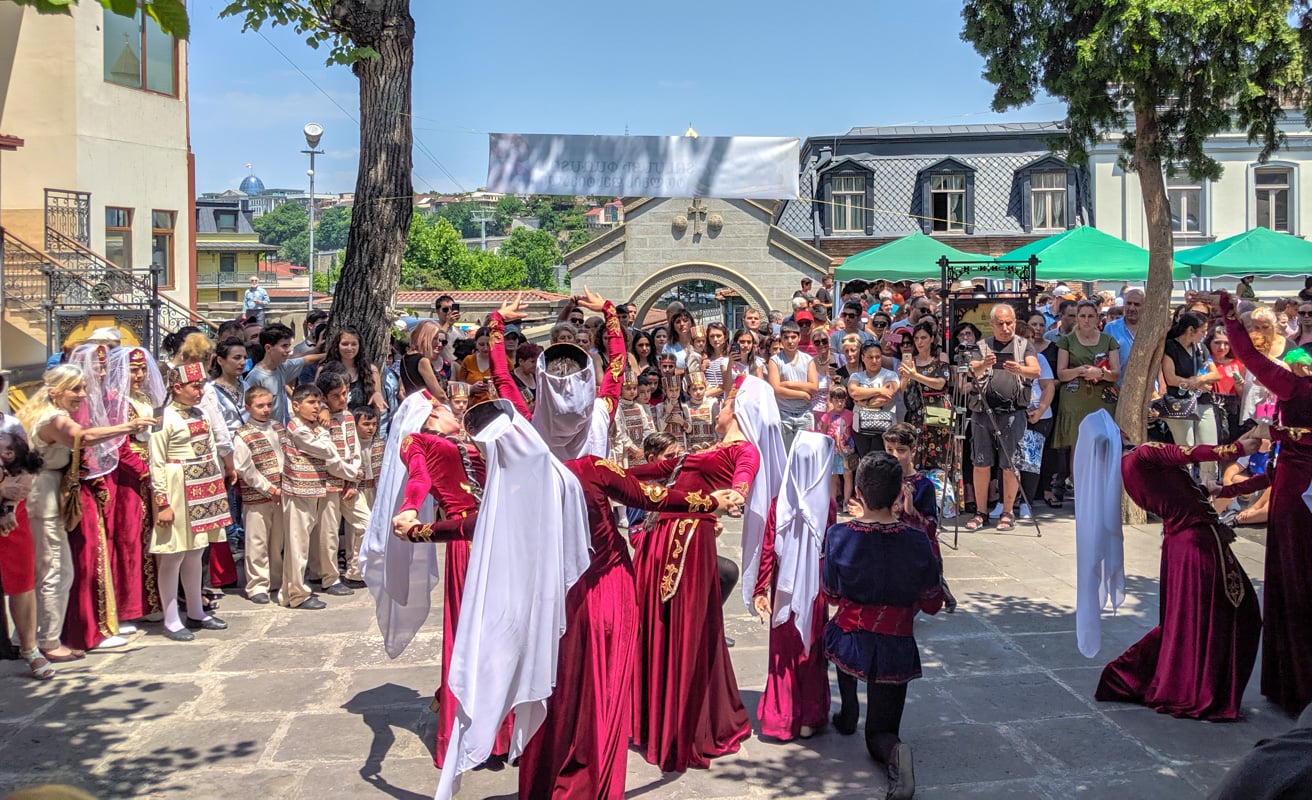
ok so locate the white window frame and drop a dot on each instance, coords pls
(849, 198)
(937, 189)
(1048, 199)
(1183, 183)
(1291, 187)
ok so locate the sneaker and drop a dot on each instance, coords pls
(338, 589)
(1024, 512)
(996, 512)
(127, 629)
(311, 603)
(111, 643)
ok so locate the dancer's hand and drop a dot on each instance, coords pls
(728, 502)
(164, 517)
(763, 611)
(513, 310)
(402, 522)
(591, 300)
(1212, 486)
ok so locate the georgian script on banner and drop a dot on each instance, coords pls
(734, 167)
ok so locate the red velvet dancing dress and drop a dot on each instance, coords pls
(92, 615)
(453, 474)
(134, 573)
(686, 704)
(1287, 589)
(581, 749)
(1198, 659)
(797, 684)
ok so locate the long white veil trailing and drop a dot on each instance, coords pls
(801, 515)
(563, 410)
(530, 545)
(400, 575)
(118, 382)
(1099, 540)
(101, 458)
(758, 415)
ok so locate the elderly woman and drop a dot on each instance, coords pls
(60, 500)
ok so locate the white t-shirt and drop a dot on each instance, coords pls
(1036, 396)
(879, 380)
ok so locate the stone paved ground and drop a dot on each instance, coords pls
(290, 704)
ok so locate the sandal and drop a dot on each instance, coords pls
(976, 522)
(1052, 501)
(39, 665)
(1006, 522)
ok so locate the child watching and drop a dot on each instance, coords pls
(917, 506)
(700, 411)
(836, 423)
(309, 449)
(257, 454)
(372, 446)
(342, 501)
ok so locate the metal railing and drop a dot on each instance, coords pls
(68, 213)
(134, 287)
(213, 280)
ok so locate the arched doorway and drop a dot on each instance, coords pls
(698, 282)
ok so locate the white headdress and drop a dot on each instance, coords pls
(1099, 541)
(757, 413)
(101, 458)
(566, 412)
(801, 515)
(118, 382)
(530, 545)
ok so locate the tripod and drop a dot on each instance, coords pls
(978, 384)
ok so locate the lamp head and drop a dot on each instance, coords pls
(313, 133)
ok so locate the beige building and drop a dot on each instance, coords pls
(102, 188)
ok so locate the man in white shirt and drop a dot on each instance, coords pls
(255, 302)
(795, 380)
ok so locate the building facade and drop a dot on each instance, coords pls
(979, 188)
(102, 189)
(229, 254)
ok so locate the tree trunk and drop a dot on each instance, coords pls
(1155, 316)
(380, 219)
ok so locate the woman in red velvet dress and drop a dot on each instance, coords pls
(1198, 659)
(687, 709)
(1287, 590)
(795, 702)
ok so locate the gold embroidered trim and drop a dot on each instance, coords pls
(654, 492)
(697, 501)
(612, 466)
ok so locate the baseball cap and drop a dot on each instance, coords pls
(803, 315)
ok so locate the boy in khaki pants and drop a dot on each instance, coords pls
(257, 455)
(371, 456)
(342, 500)
(309, 449)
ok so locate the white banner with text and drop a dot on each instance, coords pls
(733, 167)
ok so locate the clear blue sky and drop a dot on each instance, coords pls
(730, 67)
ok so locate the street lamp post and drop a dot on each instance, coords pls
(313, 133)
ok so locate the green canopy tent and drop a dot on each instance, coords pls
(1261, 252)
(912, 258)
(1088, 254)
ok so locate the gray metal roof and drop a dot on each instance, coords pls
(990, 129)
(207, 221)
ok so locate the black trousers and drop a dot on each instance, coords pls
(728, 577)
(884, 704)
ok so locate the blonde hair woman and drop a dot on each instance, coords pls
(55, 504)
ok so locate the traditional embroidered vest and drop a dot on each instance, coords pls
(636, 421)
(302, 475)
(373, 463)
(264, 456)
(342, 428)
(202, 477)
(701, 420)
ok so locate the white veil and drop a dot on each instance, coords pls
(801, 516)
(101, 458)
(118, 383)
(1099, 540)
(400, 575)
(758, 415)
(564, 410)
(530, 545)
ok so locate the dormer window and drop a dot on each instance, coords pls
(845, 195)
(226, 221)
(1047, 194)
(948, 197)
(849, 203)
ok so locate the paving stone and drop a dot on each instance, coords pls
(265, 655)
(368, 735)
(1059, 650)
(392, 776)
(280, 692)
(1084, 744)
(388, 688)
(965, 753)
(1005, 790)
(154, 655)
(975, 656)
(178, 745)
(1189, 740)
(128, 700)
(1158, 783)
(335, 620)
(1003, 698)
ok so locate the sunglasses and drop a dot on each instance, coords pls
(1305, 313)
(879, 324)
(444, 309)
(848, 314)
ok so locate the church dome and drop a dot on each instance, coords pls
(251, 185)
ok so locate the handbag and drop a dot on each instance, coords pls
(873, 421)
(938, 417)
(1172, 407)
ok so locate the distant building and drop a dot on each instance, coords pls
(100, 190)
(979, 188)
(228, 253)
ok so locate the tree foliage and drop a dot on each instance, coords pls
(285, 221)
(1163, 76)
(488, 271)
(170, 15)
(434, 255)
(507, 209)
(539, 253)
(331, 228)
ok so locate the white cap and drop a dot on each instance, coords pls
(108, 335)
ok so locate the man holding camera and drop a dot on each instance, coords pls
(998, 402)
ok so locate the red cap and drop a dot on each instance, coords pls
(803, 315)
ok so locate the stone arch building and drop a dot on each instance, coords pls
(666, 241)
